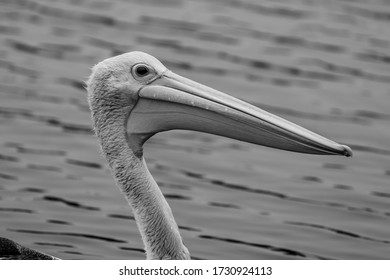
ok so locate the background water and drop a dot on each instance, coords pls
(322, 64)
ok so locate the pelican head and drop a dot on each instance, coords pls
(134, 96)
(154, 99)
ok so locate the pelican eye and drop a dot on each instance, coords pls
(141, 70)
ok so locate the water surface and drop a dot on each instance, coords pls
(322, 64)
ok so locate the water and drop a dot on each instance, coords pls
(321, 64)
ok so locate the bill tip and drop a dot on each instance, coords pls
(347, 151)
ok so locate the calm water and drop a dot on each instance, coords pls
(325, 67)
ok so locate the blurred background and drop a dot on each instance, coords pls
(322, 64)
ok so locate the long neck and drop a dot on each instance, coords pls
(153, 215)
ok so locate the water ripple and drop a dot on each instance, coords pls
(118, 216)
(8, 158)
(83, 235)
(284, 251)
(8, 177)
(70, 203)
(84, 163)
(132, 249)
(19, 210)
(54, 244)
(339, 231)
(223, 205)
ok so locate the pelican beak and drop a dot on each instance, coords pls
(174, 102)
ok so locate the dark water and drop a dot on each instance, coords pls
(322, 64)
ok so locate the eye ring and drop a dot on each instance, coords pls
(141, 70)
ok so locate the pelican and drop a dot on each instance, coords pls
(134, 96)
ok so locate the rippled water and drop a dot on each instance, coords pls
(322, 64)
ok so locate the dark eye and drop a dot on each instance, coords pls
(141, 70)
